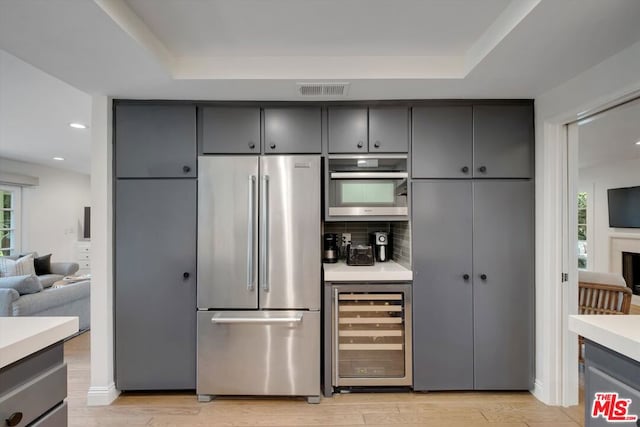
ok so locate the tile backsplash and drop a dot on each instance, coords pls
(400, 233)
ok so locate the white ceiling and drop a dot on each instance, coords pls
(260, 49)
(610, 137)
(35, 112)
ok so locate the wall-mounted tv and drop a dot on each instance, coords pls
(624, 207)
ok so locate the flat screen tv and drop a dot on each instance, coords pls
(624, 207)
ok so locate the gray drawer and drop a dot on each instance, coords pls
(57, 417)
(36, 396)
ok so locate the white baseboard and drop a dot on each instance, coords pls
(539, 392)
(102, 396)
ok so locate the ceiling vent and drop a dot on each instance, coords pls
(323, 89)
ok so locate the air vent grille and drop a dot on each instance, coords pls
(323, 89)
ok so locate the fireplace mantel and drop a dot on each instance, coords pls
(622, 242)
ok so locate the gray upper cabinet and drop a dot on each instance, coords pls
(155, 141)
(442, 143)
(503, 138)
(155, 284)
(229, 130)
(388, 129)
(348, 130)
(292, 130)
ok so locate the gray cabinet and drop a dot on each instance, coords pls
(155, 141)
(503, 138)
(389, 129)
(479, 141)
(229, 130)
(473, 288)
(442, 294)
(373, 130)
(155, 284)
(292, 130)
(442, 142)
(348, 130)
(607, 371)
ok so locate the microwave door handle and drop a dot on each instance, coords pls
(250, 236)
(369, 175)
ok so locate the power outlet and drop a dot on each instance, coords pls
(346, 239)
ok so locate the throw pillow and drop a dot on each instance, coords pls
(42, 265)
(26, 284)
(20, 267)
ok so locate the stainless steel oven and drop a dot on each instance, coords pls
(368, 185)
(371, 335)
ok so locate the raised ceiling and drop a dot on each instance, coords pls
(259, 49)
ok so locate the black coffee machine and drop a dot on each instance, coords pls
(380, 242)
(330, 246)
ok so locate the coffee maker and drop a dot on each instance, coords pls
(330, 248)
(380, 242)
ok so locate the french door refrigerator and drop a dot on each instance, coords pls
(258, 276)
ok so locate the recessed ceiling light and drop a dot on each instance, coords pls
(58, 158)
(77, 125)
(638, 143)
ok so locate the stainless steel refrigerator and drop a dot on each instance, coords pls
(259, 276)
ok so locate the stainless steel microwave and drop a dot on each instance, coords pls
(368, 185)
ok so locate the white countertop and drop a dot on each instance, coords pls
(22, 336)
(620, 333)
(379, 272)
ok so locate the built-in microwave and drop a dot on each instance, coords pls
(368, 185)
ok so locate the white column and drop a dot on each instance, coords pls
(102, 390)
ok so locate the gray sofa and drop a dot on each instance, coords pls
(69, 300)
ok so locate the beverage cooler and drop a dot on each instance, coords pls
(370, 342)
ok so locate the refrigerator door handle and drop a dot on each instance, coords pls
(256, 320)
(250, 237)
(264, 258)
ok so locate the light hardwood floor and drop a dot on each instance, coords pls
(635, 309)
(380, 409)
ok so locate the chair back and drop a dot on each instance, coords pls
(603, 293)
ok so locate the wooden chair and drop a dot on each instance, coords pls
(601, 293)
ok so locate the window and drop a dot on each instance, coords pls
(9, 219)
(582, 230)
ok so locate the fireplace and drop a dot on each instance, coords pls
(631, 270)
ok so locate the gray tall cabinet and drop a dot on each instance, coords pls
(472, 224)
(155, 246)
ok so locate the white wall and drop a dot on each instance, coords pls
(596, 181)
(612, 79)
(52, 212)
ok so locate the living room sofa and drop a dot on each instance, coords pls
(68, 300)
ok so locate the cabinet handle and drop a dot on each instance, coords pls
(186, 169)
(465, 169)
(360, 144)
(14, 419)
(377, 144)
(483, 277)
(465, 277)
(252, 145)
(186, 275)
(272, 146)
(482, 169)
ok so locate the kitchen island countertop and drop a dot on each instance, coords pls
(379, 272)
(618, 333)
(22, 336)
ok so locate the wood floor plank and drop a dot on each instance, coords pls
(441, 409)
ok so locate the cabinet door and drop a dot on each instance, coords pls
(503, 284)
(503, 141)
(348, 130)
(389, 130)
(155, 284)
(230, 130)
(155, 141)
(598, 381)
(442, 294)
(442, 142)
(292, 130)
